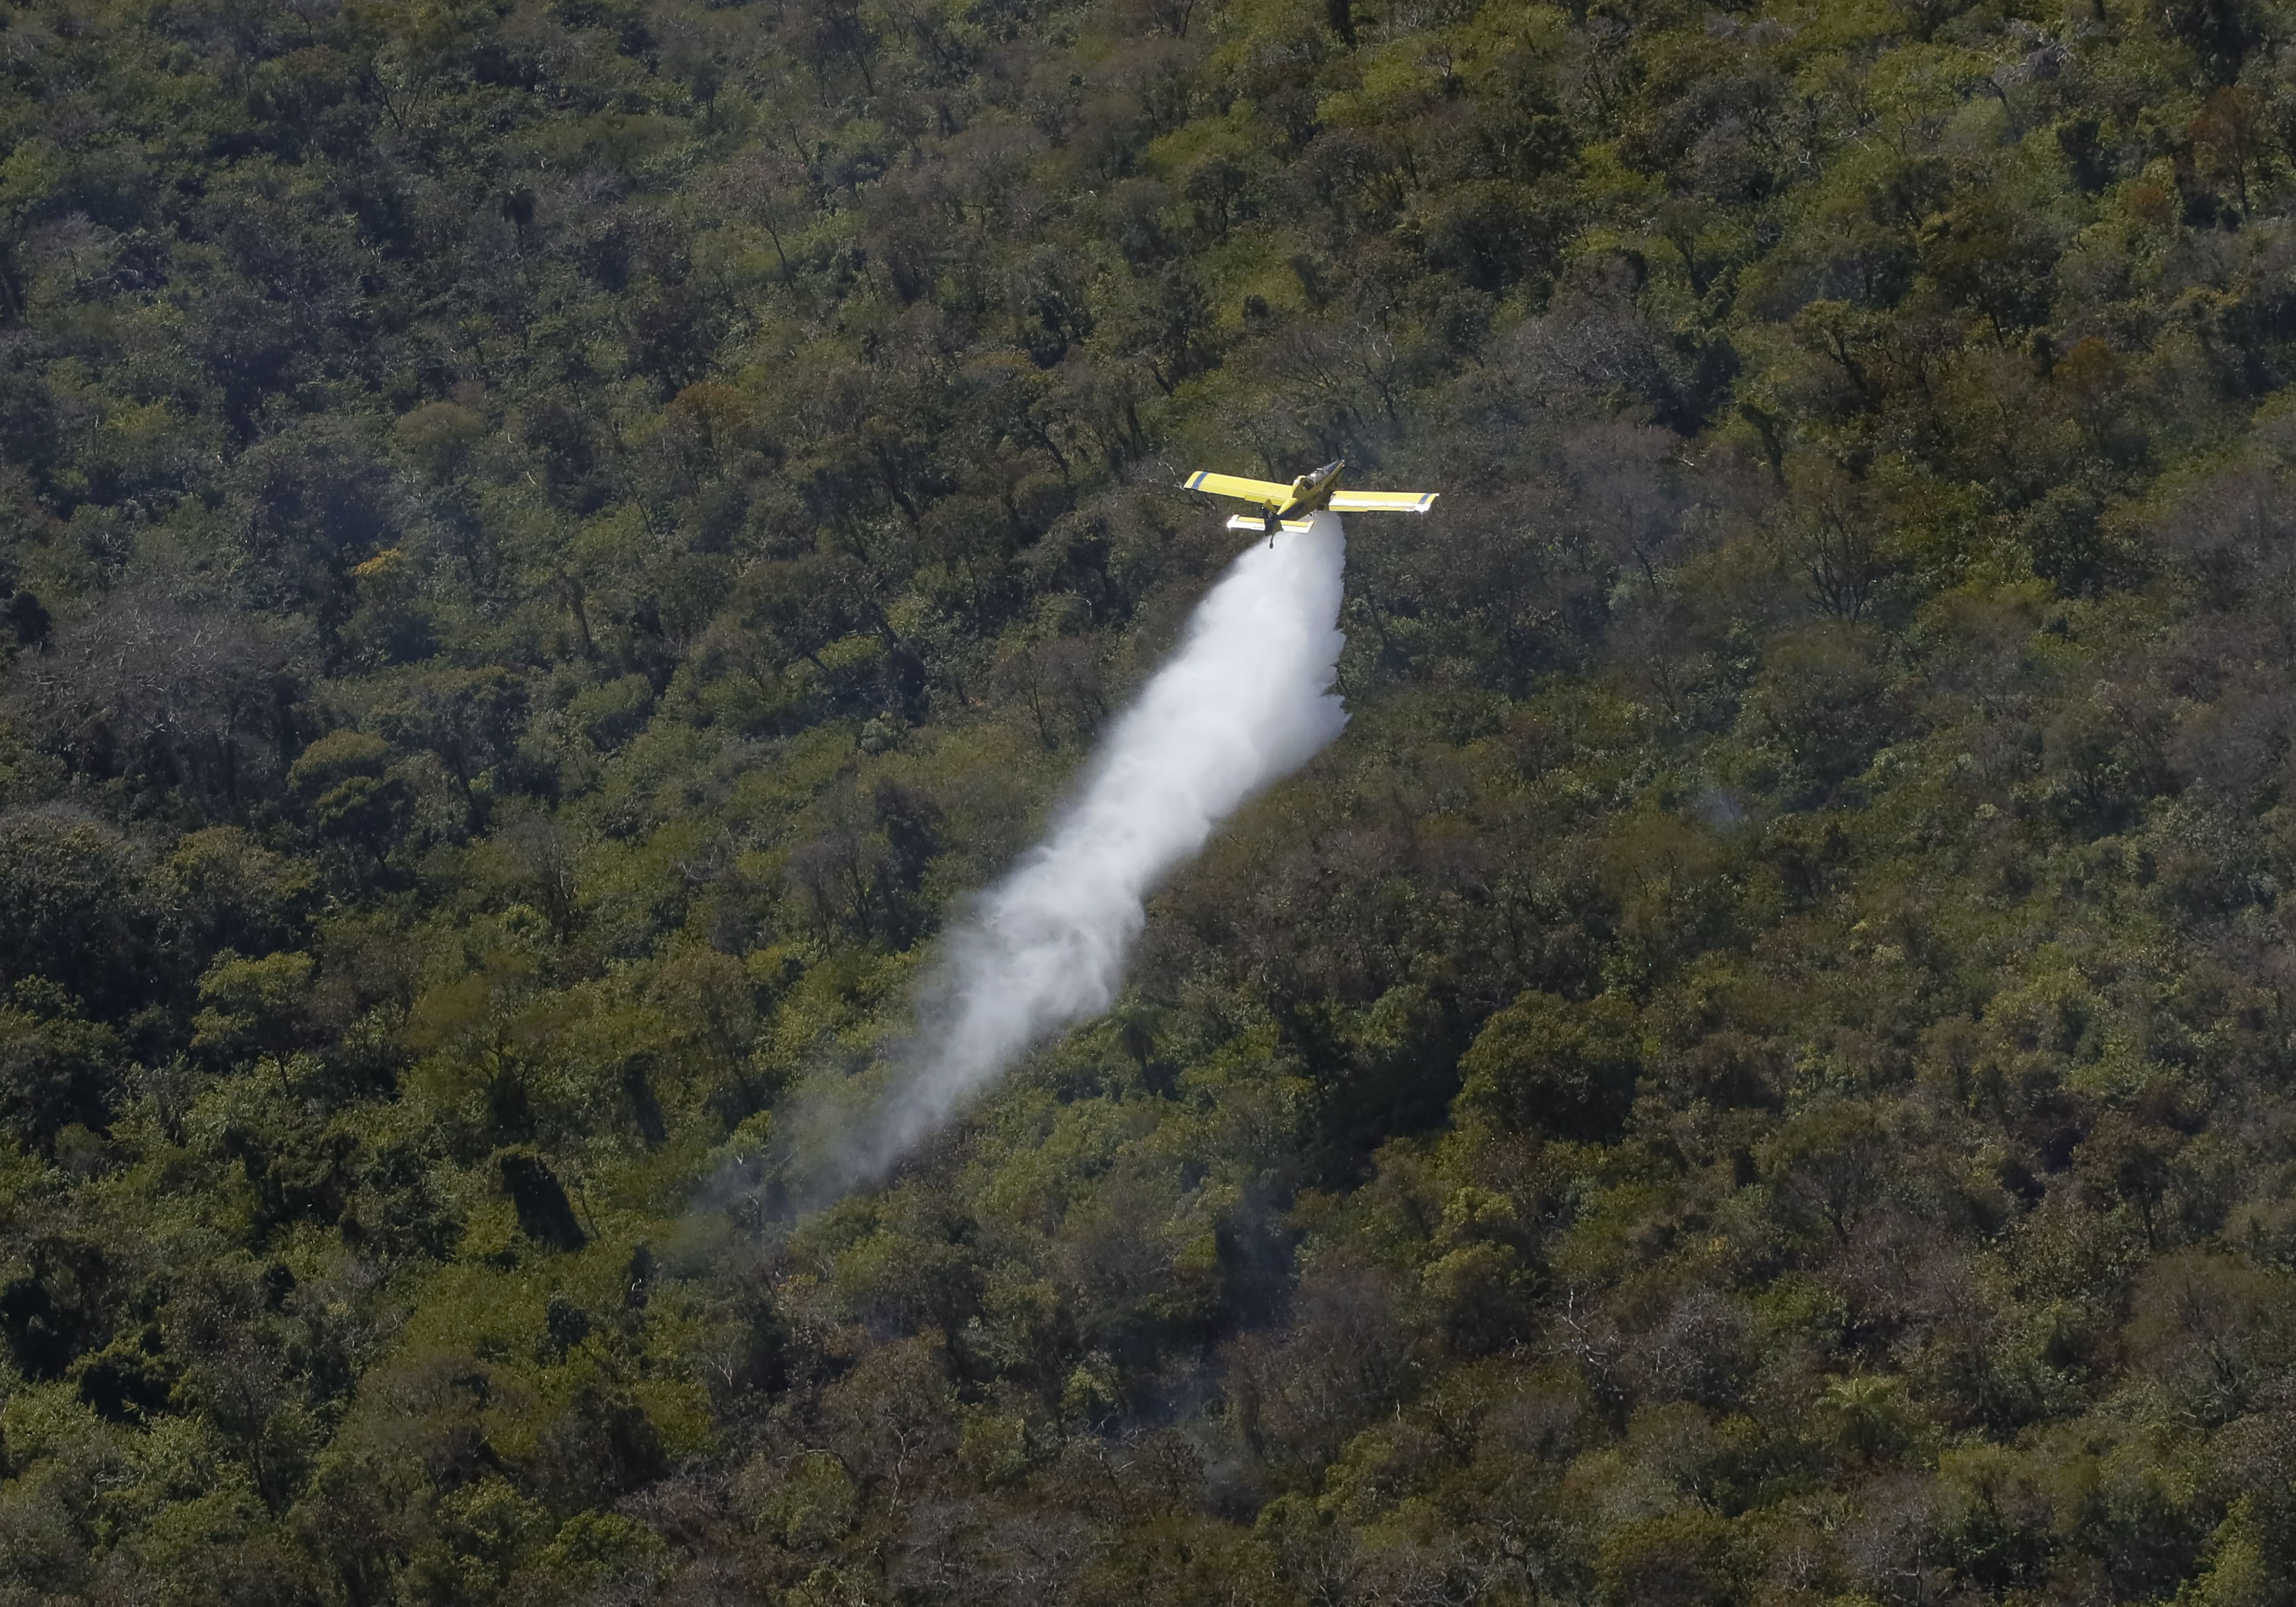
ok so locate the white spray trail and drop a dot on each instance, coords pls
(1245, 701)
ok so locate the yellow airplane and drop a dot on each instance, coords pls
(1286, 507)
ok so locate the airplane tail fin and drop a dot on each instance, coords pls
(1259, 526)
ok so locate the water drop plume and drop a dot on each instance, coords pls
(1245, 700)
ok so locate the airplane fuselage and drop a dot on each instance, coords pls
(1311, 493)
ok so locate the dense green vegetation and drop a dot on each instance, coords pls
(544, 544)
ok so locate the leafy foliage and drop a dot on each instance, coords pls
(543, 545)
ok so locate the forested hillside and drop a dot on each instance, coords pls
(547, 543)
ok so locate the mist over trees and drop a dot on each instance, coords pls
(546, 546)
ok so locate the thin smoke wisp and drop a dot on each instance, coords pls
(1246, 700)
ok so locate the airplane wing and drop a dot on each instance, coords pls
(1383, 502)
(1266, 491)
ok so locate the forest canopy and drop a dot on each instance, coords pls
(546, 545)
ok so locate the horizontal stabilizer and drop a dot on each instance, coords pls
(1235, 485)
(1257, 526)
(1383, 502)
